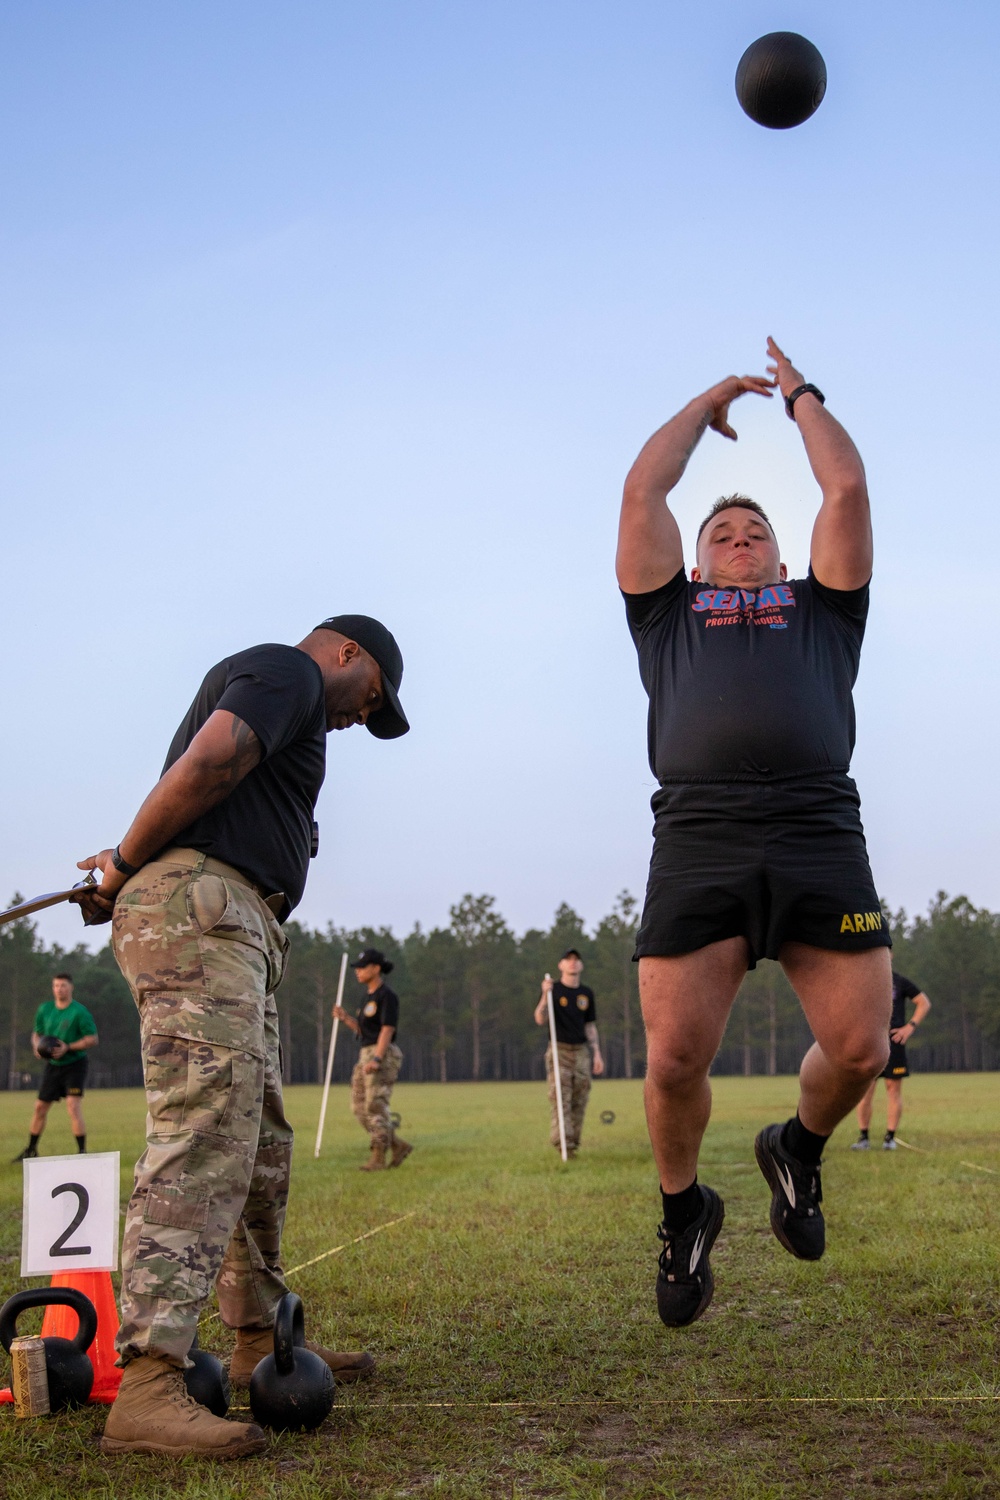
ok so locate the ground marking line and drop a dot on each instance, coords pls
(346, 1246)
(665, 1401)
(977, 1168)
(210, 1317)
(922, 1149)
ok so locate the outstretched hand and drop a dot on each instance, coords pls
(786, 377)
(727, 391)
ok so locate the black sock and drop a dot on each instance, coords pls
(33, 1141)
(81, 1143)
(862, 1135)
(889, 1135)
(681, 1209)
(805, 1145)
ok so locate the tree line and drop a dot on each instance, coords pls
(468, 990)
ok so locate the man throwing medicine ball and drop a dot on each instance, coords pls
(67, 1030)
(758, 845)
(213, 863)
(576, 1034)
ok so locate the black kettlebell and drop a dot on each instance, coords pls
(291, 1389)
(71, 1375)
(207, 1380)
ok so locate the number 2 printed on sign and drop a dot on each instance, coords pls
(59, 1246)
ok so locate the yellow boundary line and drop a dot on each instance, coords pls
(574, 1401)
(210, 1317)
(348, 1243)
(977, 1168)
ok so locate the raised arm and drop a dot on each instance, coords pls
(224, 750)
(841, 552)
(649, 540)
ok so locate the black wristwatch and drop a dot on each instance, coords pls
(800, 390)
(122, 865)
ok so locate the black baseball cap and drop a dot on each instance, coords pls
(372, 955)
(572, 953)
(371, 635)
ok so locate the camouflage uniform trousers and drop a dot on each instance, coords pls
(202, 955)
(574, 1075)
(371, 1092)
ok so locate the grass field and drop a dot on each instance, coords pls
(518, 1280)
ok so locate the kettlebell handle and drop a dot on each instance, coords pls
(44, 1296)
(289, 1332)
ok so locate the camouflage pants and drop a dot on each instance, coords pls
(202, 955)
(371, 1092)
(574, 1075)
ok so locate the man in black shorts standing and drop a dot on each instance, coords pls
(72, 1028)
(758, 845)
(897, 1068)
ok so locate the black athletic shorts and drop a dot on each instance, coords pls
(897, 1066)
(57, 1081)
(771, 862)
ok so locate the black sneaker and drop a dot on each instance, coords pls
(23, 1155)
(796, 1195)
(685, 1285)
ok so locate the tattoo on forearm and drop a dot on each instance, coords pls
(696, 439)
(244, 757)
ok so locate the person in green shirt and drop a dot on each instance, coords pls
(72, 1026)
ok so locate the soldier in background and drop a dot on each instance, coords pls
(213, 863)
(576, 1035)
(897, 1068)
(73, 1028)
(379, 1061)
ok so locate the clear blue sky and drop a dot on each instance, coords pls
(322, 307)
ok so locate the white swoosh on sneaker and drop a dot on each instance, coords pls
(699, 1245)
(785, 1178)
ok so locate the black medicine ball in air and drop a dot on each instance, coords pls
(781, 80)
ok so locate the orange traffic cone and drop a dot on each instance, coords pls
(62, 1322)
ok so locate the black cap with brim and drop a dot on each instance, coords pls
(373, 956)
(371, 635)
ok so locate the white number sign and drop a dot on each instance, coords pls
(71, 1212)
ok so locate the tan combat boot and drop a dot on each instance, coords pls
(400, 1151)
(153, 1413)
(376, 1161)
(255, 1344)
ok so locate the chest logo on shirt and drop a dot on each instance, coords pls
(581, 1002)
(745, 607)
(563, 1000)
(371, 1008)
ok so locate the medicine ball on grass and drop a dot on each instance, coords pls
(781, 80)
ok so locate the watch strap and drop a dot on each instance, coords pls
(122, 865)
(801, 390)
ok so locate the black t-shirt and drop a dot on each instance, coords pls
(265, 826)
(378, 1010)
(747, 686)
(902, 990)
(574, 1010)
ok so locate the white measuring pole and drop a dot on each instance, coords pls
(329, 1057)
(556, 1073)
